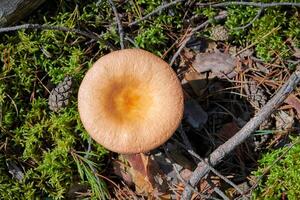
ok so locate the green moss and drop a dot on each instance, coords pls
(269, 32)
(283, 177)
(49, 145)
(39, 139)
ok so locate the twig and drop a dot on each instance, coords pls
(131, 41)
(120, 27)
(262, 5)
(49, 27)
(186, 140)
(180, 177)
(217, 155)
(195, 155)
(194, 30)
(14, 103)
(252, 21)
(89, 148)
(220, 193)
(157, 10)
(217, 173)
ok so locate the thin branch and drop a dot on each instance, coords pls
(157, 10)
(89, 148)
(220, 193)
(193, 31)
(49, 27)
(217, 173)
(182, 179)
(224, 149)
(132, 42)
(120, 27)
(195, 155)
(262, 5)
(252, 21)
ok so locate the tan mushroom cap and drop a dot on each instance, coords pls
(130, 101)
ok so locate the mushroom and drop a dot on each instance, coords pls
(130, 101)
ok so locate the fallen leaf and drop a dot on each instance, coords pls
(294, 101)
(121, 170)
(228, 130)
(197, 81)
(146, 175)
(219, 64)
(194, 113)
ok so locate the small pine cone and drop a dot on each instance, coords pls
(255, 94)
(59, 96)
(219, 33)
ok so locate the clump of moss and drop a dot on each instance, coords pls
(283, 176)
(270, 32)
(49, 146)
(42, 142)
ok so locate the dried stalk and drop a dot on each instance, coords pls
(157, 10)
(49, 27)
(120, 27)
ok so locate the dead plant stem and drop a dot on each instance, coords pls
(49, 27)
(157, 10)
(120, 27)
(256, 4)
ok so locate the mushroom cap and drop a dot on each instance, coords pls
(130, 101)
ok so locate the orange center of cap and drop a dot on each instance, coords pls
(127, 101)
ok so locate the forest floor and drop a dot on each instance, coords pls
(231, 59)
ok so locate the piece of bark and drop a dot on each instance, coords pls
(12, 11)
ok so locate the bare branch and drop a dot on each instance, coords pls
(120, 27)
(49, 27)
(262, 5)
(157, 10)
(223, 150)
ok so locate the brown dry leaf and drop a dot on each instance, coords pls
(146, 175)
(219, 64)
(194, 114)
(197, 81)
(121, 170)
(207, 185)
(294, 101)
(228, 130)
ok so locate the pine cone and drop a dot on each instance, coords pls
(219, 33)
(59, 96)
(256, 94)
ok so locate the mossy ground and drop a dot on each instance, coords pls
(49, 147)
